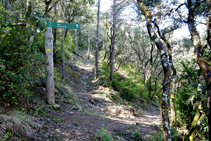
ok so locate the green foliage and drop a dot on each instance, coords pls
(189, 99)
(127, 87)
(39, 109)
(76, 123)
(159, 136)
(6, 136)
(128, 90)
(104, 135)
(69, 47)
(136, 134)
(20, 60)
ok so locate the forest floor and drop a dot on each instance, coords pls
(84, 121)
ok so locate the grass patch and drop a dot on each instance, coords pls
(18, 123)
(73, 74)
(159, 136)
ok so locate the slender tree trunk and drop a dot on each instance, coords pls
(144, 70)
(172, 103)
(76, 42)
(6, 8)
(79, 36)
(173, 90)
(105, 44)
(113, 42)
(97, 46)
(207, 72)
(55, 29)
(150, 79)
(205, 65)
(167, 72)
(89, 43)
(63, 64)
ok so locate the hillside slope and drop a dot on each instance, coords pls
(86, 112)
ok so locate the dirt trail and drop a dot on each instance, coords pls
(96, 112)
(102, 113)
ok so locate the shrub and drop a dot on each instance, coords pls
(20, 61)
(104, 135)
(136, 134)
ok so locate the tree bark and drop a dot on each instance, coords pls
(173, 90)
(49, 66)
(97, 44)
(63, 63)
(167, 72)
(203, 64)
(76, 42)
(89, 42)
(150, 78)
(113, 42)
(54, 30)
(6, 8)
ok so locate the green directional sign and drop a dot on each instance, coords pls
(63, 25)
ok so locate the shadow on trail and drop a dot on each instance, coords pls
(85, 124)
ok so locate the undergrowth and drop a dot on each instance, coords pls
(159, 136)
(104, 135)
(128, 88)
(17, 123)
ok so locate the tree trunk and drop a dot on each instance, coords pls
(150, 79)
(76, 42)
(167, 72)
(97, 46)
(6, 8)
(173, 90)
(89, 43)
(207, 72)
(144, 71)
(203, 64)
(49, 66)
(113, 42)
(63, 63)
(172, 103)
(54, 30)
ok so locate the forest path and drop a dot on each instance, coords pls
(95, 111)
(102, 113)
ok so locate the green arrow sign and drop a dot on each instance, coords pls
(64, 25)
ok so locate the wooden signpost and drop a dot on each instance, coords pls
(49, 57)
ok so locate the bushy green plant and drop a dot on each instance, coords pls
(189, 100)
(127, 87)
(76, 123)
(69, 47)
(136, 134)
(6, 136)
(104, 135)
(20, 60)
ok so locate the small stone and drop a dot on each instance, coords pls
(56, 106)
